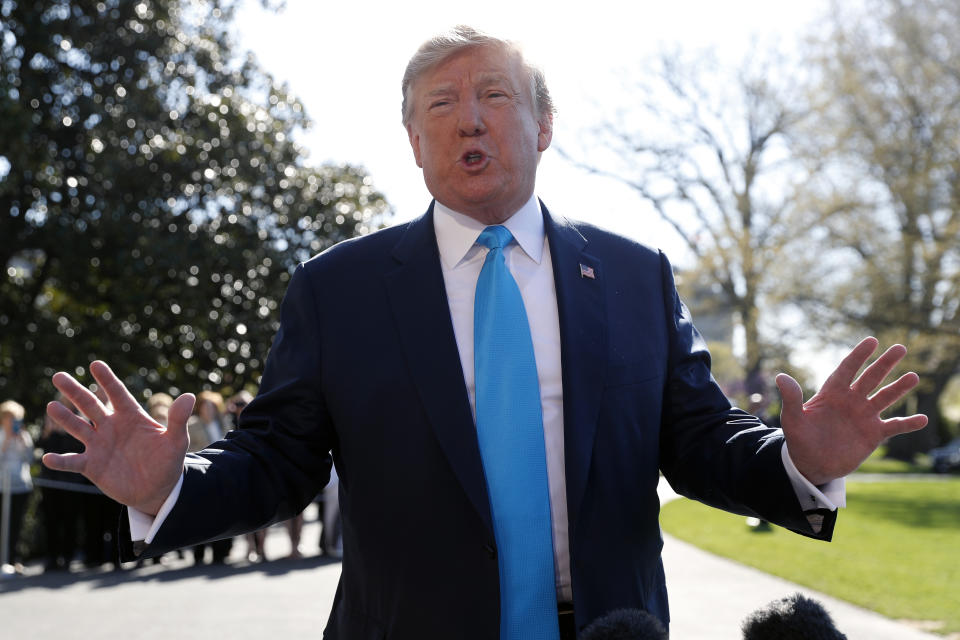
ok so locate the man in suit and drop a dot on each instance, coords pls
(375, 368)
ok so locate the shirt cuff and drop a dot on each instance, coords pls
(143, 526)
(830, 496)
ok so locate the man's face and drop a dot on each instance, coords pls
(476, 134)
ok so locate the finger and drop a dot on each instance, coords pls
(73, 462)
(74, 424)
(80, 396)
(873, 375)
(180, 412)
(101, 394)
(843, 375)
(116, 391)
(894, 391)
(896, 426)
(792, 396)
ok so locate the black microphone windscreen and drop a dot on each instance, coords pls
(625, 624)
(792, 618)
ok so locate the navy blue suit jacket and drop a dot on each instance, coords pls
(365, 365)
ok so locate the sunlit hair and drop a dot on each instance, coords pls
(157, 400)
(12, 408)
(442, 46)
(209, 396)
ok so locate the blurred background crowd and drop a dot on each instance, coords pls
(60, 521)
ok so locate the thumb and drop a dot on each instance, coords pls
(72, 462)
(179, 413)
(792, 397)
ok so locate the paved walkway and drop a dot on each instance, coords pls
(290, 599)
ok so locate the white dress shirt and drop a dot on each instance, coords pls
(529, 261)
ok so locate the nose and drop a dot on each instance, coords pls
(470, 118)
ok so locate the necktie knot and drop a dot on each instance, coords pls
(495, 237)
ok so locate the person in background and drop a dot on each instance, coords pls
(255, 551)
(16, 454)
(294, 529)
(99, 515)
(205, 427)
(60, 496)
(235, 406)
(158, 406)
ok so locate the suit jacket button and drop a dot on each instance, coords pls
(490, 551)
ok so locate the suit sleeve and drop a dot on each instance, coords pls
(278, 459)
(715, 453)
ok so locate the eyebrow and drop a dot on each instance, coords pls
(446, 89)
(484, 80)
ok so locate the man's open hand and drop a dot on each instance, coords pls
(833, 432)
(131, 457)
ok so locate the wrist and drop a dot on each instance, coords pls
(153, 506)
(149, 525)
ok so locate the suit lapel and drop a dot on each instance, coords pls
(583, 338)
(418, 299)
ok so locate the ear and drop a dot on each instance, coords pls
(414, 144)
(545, 133)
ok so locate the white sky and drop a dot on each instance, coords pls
(345, 65)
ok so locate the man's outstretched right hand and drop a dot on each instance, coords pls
(130, 456)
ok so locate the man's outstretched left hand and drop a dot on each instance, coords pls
(832, 433)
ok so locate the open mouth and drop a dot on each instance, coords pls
(473, 158)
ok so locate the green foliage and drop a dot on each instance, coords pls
(152, 198)
(894, 548)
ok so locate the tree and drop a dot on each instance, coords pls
(152, 198)
(887, 130)
(708, 148)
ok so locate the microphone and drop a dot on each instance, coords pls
(792, 618)
(625, 624)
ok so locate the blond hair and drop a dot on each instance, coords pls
(13, 408)
(210, 396)
(461, 37)
(159, 399)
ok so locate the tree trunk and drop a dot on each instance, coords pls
(754, 381)
(906, 446)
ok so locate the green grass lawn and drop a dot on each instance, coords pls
(878, 463)
(895, 550)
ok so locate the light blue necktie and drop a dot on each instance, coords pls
(510, 431)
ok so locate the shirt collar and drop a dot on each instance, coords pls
(457, 232)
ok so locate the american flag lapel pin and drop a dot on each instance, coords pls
(587, 272)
